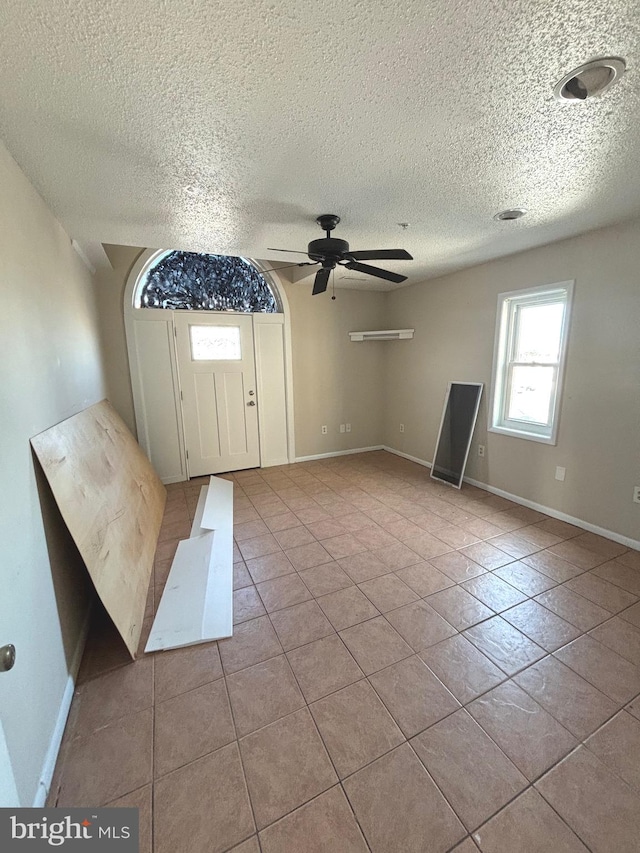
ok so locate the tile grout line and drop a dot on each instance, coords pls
(335, 770)
(571, 829)
(153, 755)
(244, 772)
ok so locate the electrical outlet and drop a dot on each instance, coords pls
(401, 427)
(636, 494)
(348, 427)
(323, 429)
(560, 472)
(481, 450)
(342, 428)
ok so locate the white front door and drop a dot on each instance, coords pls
(218, 384)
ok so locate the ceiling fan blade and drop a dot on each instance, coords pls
(321, 282)
(382, 255)
(378, 273)
(290, 251)
(289, 266)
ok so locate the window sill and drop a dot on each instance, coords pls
(529, 436)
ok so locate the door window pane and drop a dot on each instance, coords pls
(215, 343)
(530, 393)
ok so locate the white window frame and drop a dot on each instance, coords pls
(508, 304)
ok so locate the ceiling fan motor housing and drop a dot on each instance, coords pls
(331, 251)
(328, 249)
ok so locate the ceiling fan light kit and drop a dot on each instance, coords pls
(331, 252)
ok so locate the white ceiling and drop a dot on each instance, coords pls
(228, 127)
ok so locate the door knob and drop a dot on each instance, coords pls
(251, 403)
(7, 657)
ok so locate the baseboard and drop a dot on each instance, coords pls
(49, 765)
(415, 459)
(561, 516)
(547, 510)
(338, 453)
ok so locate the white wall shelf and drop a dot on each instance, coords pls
(383, 335)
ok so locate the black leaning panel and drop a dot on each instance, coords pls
(456, 432)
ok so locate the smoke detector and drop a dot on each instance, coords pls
(510, 214)
(590, 80)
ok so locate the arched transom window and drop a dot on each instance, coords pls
(198, 282)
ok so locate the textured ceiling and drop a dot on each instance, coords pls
(228, 127)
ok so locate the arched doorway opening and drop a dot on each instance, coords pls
(209, 348)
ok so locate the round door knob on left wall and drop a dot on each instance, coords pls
(251, 403)
(7, 657)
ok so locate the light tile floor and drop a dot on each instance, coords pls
(413, 668)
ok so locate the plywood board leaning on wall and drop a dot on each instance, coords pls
(112, 501)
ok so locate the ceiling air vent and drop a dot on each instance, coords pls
(510, 215)
(590, 80)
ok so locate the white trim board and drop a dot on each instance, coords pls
(408, 456)
(218, 608)
(218, 505)
(196, 528)
(197, 600)
(180, 617)
(547, 510)
(49, 764)
(339, 453)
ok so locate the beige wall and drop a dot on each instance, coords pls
(336, 381)
(599, 435)
(50, 369)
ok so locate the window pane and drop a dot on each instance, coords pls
(215, 343)
(538, 332)
(190, 281)
(530, 394)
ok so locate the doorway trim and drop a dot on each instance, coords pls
(145, 260)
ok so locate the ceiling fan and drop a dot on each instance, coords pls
(332, 252)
